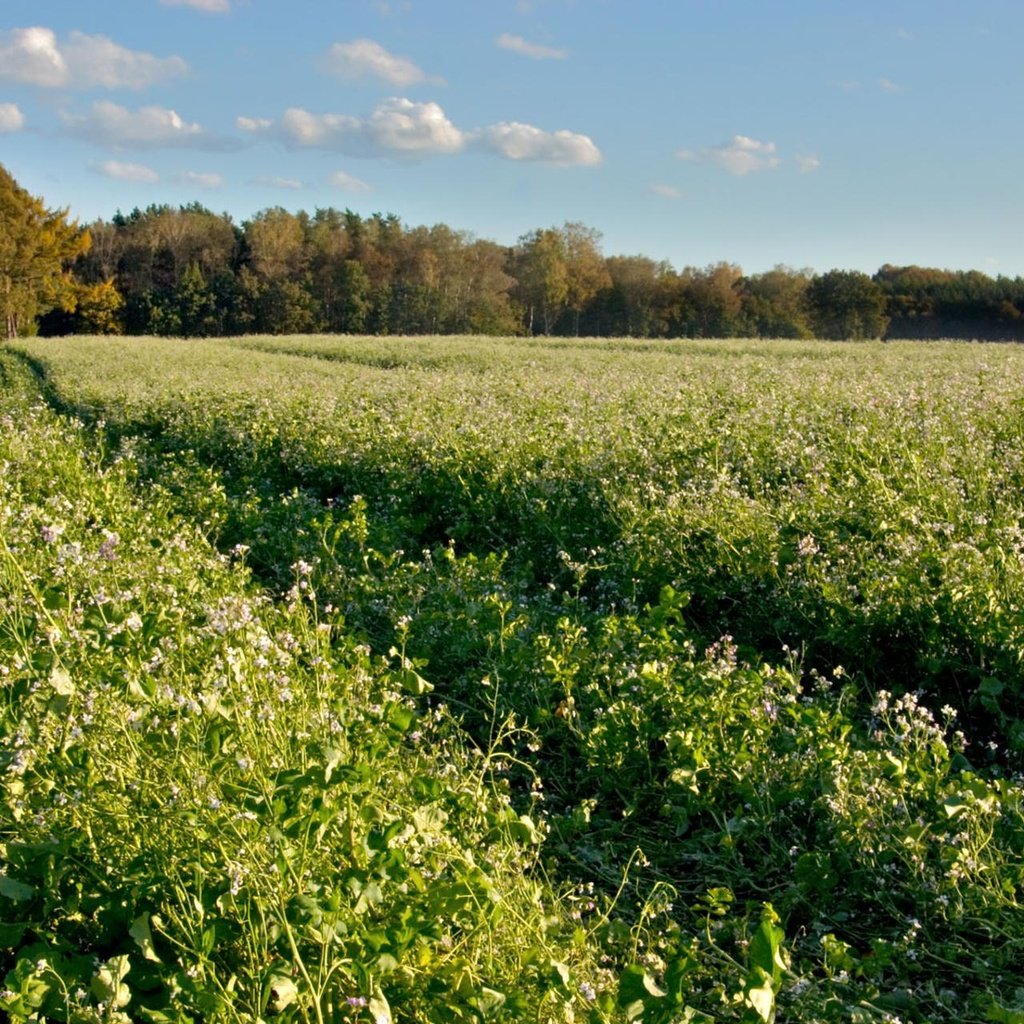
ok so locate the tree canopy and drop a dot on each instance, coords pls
(36, 248)
(187, 271)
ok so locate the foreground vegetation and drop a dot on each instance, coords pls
(355, 679)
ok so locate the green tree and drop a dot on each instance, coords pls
(710, 301)
(775, 303)
(846, 304)
(98, 309)
(586, 271)
(36, 247)
(640, 301)
(542, 275)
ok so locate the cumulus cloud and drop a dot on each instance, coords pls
(348, 183)
(253, 124)
(397, 127)
(888, 85)
(275, 182)
(11, 118)
(126, 171)
(808, 164)
(666, 191)
(517, 44)
(34, 56)
(401, 127)
(202, 179)
(211, 6)
(516, 141)
(364, 57)
(740, 155)
(114, 125)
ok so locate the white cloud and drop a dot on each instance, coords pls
(517, 44)
(666, 191)
(740, 155)
(11, 118)
(348, 183)
(201, 179)
(364, 57)
(115, 125)
(274, 182)
(401, 127)
(516, 141)
(211, 6)
(253, 124)
(808, 164)
(125, 171)
(396, 127)
(33, 56)
(888, 85)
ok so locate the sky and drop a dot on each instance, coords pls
(812, 133)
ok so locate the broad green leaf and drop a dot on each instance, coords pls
(143, 937)
(108, 982)
(14, 890)
(762, 998)
(60, 680)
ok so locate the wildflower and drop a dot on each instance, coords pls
(356, 1000)
(807, 547)
(588, 991)
(51, 533)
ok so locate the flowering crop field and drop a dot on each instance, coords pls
(432, 679)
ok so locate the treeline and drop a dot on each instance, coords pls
(190, 272)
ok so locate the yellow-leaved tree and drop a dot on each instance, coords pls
(36, 247)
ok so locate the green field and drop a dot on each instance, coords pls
(452, 679)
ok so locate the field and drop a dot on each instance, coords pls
(426, 679)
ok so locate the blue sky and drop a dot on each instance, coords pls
(815, 133)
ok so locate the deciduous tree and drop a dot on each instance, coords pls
(36, 246)
(846, 304)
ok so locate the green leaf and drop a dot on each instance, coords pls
(14, 890)
(488, 1001)
(143, 937)
(955, 805)
(370, 896)
(107, 983)
(1003, 1014)
(525, 831)
(765, 947)
(283, 992)
(413, 683)
(379, 1008)
(61, 681)
(762, 997)
(638, 991)
(11, 934)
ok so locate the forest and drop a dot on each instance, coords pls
(187, 271)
